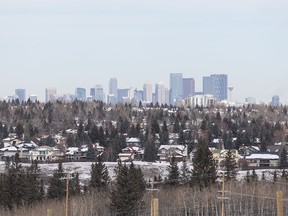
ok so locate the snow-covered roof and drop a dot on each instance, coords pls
(13, 149)
(180, 147)
(262, 156)
(133, 140)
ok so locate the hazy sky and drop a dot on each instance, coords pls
(70, 43)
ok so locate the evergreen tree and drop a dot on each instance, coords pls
(74, 185)
(283, 159)
(128, 190)
(99, 176)
(150, 151)
(229, 165)
(263, 178)
(19, 130)
(34, 188)
(185, 173)
(254, 176)
(56, 188)
(164, 134)
(275, 177)
(204, 171)
(173, 172)
(248, 176)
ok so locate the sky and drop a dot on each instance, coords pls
(81, 43)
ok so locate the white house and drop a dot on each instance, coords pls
(45, 153)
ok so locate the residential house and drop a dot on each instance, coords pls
(75, 153)
(133, 141)
(262, 160)
(45, 153)
(10, 151)
(166, 152)
(131, 154)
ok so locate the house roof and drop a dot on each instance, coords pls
(13, 149)
(262, 156)
(180, 147)
(133, 140)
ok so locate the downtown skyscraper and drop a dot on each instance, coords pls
(20, 94)
(147, 92)
(217, 85)
(176, 87)
(188, 87)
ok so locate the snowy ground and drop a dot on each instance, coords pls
(149, 169)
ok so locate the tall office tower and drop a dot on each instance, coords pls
(80, 94)
(138, 96)
(113, 89)
(99, 93)
(176, 87)
(147, 92)
(275, 100)
(92, 93)
(122, 94)
(20, 94)
(167, 96)
(113, 86)
(50, 94)
(207, 85)
(188, 87)
(217, 85)
(160, 93)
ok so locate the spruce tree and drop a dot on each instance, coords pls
(185, 173)
(283, 159)
(173, 175)
(56, 188)
(128, 190)
(229, 165)
(150, 151)
(204, 171)
(99, 176)
(34, 191)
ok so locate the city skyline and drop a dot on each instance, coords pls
(68, 44)
(218, 86)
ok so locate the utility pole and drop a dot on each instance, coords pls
(279, 203)
(223, 197)
(67, 194)
(154, 201)
(223, 193)
(67, 178)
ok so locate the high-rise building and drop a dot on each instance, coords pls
(99, 93)
(92, 93)
(20, 94)
(188, 87)
(113, 90)
(217, 85)
(50, 94)
(275, 100)
(80, 94)
(122, 94)
(207, 85)
(160, 93)
(176, 87)
(113, 86)
(147, 92)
